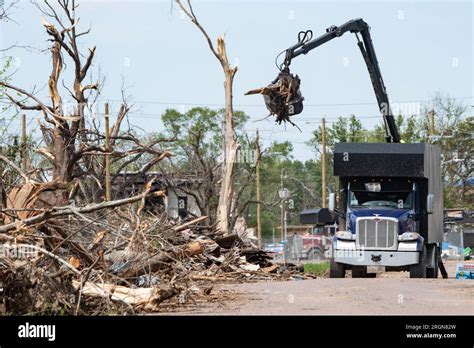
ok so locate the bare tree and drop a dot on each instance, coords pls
(61, 130)
(74, 144)
(231, 145)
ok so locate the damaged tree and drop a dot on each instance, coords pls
(74, 144)
(65, 128)
(230, 144)
(42, 214)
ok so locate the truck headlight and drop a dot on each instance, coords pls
(344, 235)
(408, 236)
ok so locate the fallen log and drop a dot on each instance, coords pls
(135, 268)
(133, 297)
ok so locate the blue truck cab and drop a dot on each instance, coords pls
(390, 209)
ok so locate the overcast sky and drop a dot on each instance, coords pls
(422, 47)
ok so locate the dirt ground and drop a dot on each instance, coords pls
(391, 293)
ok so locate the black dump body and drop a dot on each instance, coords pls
(420, 163)
(319, 217)
(386, 160)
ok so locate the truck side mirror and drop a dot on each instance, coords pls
(332, 202)
(429, 203)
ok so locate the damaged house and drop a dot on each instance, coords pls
(181, 192)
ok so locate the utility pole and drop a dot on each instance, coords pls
(282, 210)
(107, 155)
(23, 142)
(432, 114)
(284, 194)
(257, 175)
(323, 158)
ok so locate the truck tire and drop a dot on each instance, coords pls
(336, 269)
(433, 272)
(315, 254)
(419, 270)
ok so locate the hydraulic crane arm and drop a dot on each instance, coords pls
(356, 26)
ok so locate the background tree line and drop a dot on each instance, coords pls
(195, 137)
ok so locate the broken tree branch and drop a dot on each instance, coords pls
(189, 223)
(67, 210)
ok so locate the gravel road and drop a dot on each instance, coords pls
(390, 294)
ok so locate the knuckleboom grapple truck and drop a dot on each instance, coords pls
(390, 208)
(390, 204)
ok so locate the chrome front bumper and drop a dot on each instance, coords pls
(376, 258)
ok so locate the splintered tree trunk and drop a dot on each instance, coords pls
(226, 191)
(63, 152)
(224, 208)
(63, 147)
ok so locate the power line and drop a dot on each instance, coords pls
(258, 118)
(156, 102)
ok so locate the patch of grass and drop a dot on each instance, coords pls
(318, 269)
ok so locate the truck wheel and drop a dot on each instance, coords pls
(315, 254)
(419, 270)
(433, 272)
(336, 269)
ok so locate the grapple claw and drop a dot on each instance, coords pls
(282, 97)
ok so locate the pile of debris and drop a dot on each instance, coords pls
(111, 257)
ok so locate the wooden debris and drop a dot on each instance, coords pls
(68, 210)
(134, 267)
(74, 262)
(282, 97)
(189, 223)
(270, 269)
(193, 248)
(134, 297)
(228, 242)
(135, 261)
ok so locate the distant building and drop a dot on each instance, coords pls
(180, 190)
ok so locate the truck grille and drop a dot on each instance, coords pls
(377, 233)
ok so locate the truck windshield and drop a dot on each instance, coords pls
(384, 199)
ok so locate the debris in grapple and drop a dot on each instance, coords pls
(282, 97)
